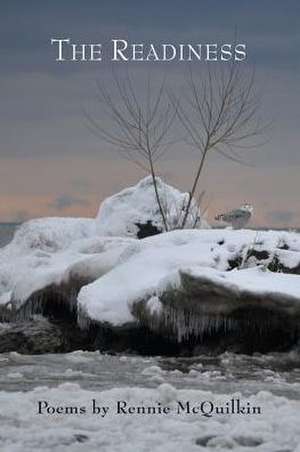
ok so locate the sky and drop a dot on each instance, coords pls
(52, 165)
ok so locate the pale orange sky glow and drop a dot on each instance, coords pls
(77, 186)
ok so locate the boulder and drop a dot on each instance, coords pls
(41, 336)
(134, 212)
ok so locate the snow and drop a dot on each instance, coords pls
(52, 234)
(254, 280)
(159, 260)
(52, 251)
(23, 429)
(120, 214)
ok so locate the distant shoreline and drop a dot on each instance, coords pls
(259, 228)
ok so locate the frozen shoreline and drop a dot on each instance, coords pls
(191, 282)
(130, 286)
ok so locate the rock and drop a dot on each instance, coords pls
(132, 338)
(31, 337)
(41, 336)
(205, 316)
(147, 229)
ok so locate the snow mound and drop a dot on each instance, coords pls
(134, 212)
(51, 234)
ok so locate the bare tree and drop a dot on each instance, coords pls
(219, 114)
(139, 124)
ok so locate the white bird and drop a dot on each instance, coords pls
(237, 217)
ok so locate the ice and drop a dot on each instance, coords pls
(154, 305)
(22, 429)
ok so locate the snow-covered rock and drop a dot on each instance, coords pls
(159, 260)
(197, 283)
(190, 282)
(134, 212)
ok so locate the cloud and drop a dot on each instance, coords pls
(63, 202)
(281, 216)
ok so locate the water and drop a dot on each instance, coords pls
(227, 373)
(271, 382)
(63, 382)
(6, 232)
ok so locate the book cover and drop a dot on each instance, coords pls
(149, 226)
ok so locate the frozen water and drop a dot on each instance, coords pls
(271, 382)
